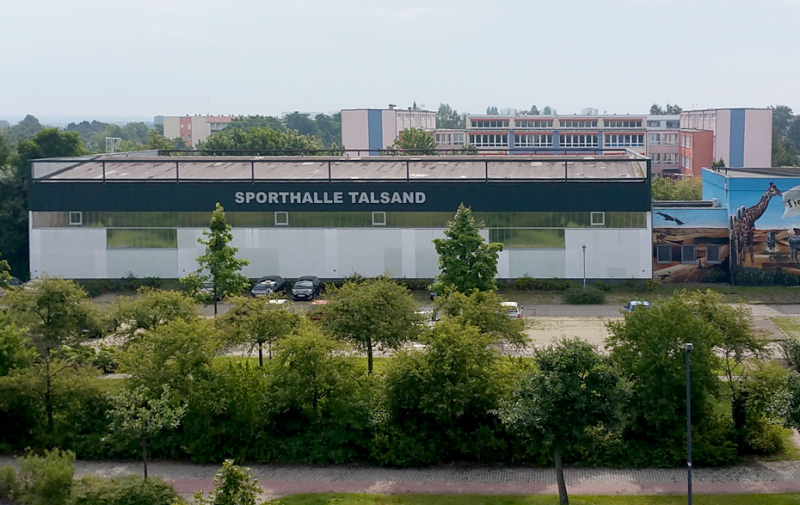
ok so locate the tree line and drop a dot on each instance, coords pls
(453, 397)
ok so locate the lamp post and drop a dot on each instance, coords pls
(583, 246)
(688, 347)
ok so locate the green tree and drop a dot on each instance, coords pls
(648, 346)
(573, 389)
(466, 261)
(219, 264)
(441, 400)
(24, 129)
(683, 189)
(149, 309)
(656, 110)
(793, 133)
(49, 143)
(16, 348)
(266, 141)
(492, 111)
(329, 129)
(174, 356)
(483, 310)
(376, 311)
(784, 152)
(782, 116)
(547, 111)
(233, 485)
(534, 111)
(720, 163)
(56, 313)
(139, 415)
(449, 118)
(158, 141)
(673, 109)
(413, 141)
(256, 321)
(312, 374)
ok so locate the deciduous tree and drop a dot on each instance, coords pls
(413, 141)
(376, 311)
(139, 415)
(466, 261)
(483, 310)
(56, 313)
(151, 308)
(219, 264)
(573, 389)
(255, 322)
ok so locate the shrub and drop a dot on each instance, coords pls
(745, 276)
(601, 286)
(127, 490)
(8, 482)
(591, 296)
(46, 480)
(527, 283)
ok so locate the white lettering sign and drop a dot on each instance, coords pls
(791, 202)
(334, 197)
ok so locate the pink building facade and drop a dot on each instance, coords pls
(194, 129)
(366, 131)
(741, 137)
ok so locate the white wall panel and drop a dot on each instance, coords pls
(74, 253)
(142, 263)
(188, 250)
(536, 263)
(610, 253)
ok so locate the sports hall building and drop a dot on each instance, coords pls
(109, 216)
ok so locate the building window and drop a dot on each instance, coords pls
(141, 238)
(627, 140)
(712, 254)
(378, 219)
(489, 140)
(533, 140)
(655, 158)
(571, 123)
(458, 139)
(489, 123)
(670, 159)
(281, 218)
(576, 140)
(664, 254)
(443, 139)
(673, 124)
(598, 218)
(670, 139)
(623, 123)
(653, 124)
(75, 219)
(655, 139)
(519, 123)
(688, 253)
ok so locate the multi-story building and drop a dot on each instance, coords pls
(194, 129)
(662, 144)
(366, 131)
(739, 137)
(556, 134)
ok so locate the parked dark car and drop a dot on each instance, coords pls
(267, 285)
(306, 287)
(12, 283)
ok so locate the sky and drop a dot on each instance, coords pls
(132, 60)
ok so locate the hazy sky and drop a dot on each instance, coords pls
(126, 59)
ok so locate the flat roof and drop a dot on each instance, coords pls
(319, 168)
(754, 173)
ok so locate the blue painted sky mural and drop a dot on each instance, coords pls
(782, 211)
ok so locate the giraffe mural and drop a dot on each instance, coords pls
(744, 226)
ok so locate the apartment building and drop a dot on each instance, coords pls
(366, 131)
(194, 129)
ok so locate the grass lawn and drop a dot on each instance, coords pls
(365, 499)
(790, 325)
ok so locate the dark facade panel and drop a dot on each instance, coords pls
(493, 196)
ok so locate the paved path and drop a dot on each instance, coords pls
(279, 480)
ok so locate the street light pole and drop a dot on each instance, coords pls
(689, 348)
(583, 246)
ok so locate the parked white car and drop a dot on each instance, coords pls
(635, 305)
(514, 309)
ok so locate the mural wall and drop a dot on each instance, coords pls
(756, 225)
(690, 245)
